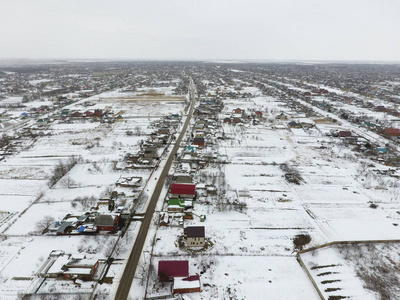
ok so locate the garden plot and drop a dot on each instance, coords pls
(61, 146)
(69, 194)
(322, 178)
(33, 221)
(328, 170)
(24, 172)
(63, 128)
(284, 199)
(256, 231)
(260, 137)
(267, 276)
(386, 193)
(244, 277)
(15, 203)
(33, 251)
(145, 104)
(84, 175)
(355, 271)
(269, 102)
(310, 193)
(231, 104)
(363, 229)
(28, 159)
(268, 155)
(22, 187)
(343, 211)
(255, 177)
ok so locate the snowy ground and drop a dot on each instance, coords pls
(356, 271)
(26, 198)
(252, 247)
(251, 250)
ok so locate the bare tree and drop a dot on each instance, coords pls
(142, 273)
(138, 130)
(43, 225)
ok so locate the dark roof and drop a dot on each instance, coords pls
(183, 189)
(344, 133)
(198, 140)
(174, 268)
(195, 231)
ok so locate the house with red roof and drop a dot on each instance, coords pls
(258, 114)
(88, 114)
(391, 132)
(183, 190)
(107, 222)
(177, 271)
(238, 111)
(168, 269)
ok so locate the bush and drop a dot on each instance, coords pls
(292, 175)
(300, 241)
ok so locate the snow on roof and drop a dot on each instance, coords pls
(81, 271)
(187, 282)
(201, 186)
(58, 264)
(105, 219)
(83, 263)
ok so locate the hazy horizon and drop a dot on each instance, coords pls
(307, 30)
(5, 61)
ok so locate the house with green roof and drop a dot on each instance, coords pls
(179, 204)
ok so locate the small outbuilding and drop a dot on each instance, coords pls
(189, 284)
(294, 124)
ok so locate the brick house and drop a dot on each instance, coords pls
(81, 269)
(106, 222)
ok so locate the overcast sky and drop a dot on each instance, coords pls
(202, 29)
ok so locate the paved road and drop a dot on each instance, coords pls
(131, 265)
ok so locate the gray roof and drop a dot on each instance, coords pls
(106, 220)
(64, 226)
